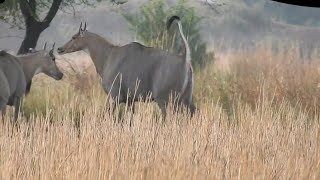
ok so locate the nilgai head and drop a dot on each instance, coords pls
(76, 43)
(48, 65)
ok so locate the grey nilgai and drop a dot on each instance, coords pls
(158, 73)
(16, 73)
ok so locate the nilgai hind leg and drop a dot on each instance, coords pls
(3, 106)
(187, 100)
(163, 107)
(186, 96)
(4, 94)
(17, 108)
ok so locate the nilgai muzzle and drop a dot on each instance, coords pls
(16, 75)
(159, 73)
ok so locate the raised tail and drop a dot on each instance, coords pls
(186, 45)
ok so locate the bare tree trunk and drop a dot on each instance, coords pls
(31, 37)
(35, 27)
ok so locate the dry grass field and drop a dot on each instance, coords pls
(258, 119)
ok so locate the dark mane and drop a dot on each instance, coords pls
(141, 45)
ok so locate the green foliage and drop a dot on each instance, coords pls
(9, 5)
(9, 12)
(150, 27)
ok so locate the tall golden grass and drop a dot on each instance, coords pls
(257, 120)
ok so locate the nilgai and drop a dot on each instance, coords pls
(16, 75)
(160, 74)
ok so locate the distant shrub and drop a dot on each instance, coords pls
(150, 27)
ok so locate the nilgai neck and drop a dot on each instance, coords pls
(99, 49)
(30, 64)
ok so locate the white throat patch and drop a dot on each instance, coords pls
(39, 70)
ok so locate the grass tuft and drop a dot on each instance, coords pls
(258, 119)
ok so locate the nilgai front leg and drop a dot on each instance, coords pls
(163, 107)
(130, 107)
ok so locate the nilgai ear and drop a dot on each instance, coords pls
(80, 27)
(45, 45)
(51, 51)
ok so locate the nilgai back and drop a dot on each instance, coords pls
(134, 72)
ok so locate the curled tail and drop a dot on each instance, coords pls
(186, 45)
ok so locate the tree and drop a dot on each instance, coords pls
(29, 11)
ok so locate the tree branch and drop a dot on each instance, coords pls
(52, 12)
(26, 11)
(33, 4)
(211, 6)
